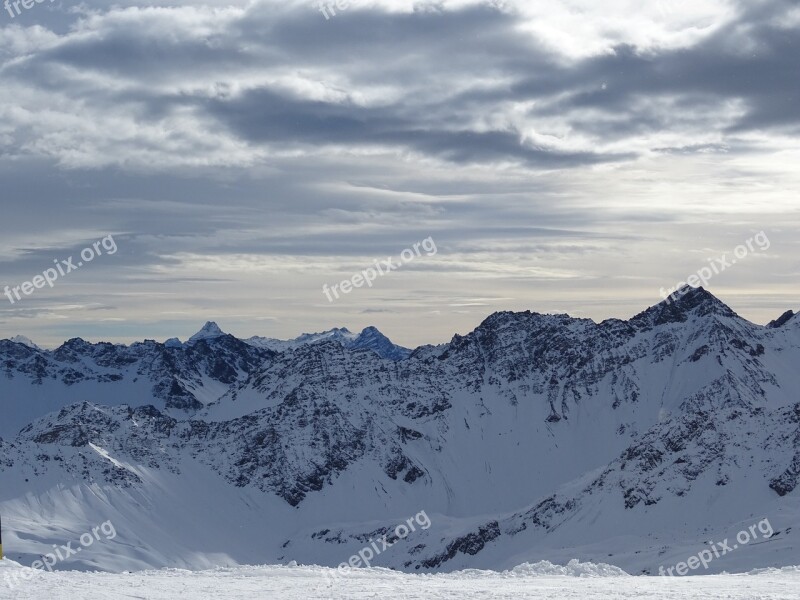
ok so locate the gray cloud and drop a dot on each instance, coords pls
(243, 156)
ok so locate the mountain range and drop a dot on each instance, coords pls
(534, 437)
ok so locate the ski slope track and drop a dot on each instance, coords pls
(533, 438)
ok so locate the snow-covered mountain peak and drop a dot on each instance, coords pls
(76, 343)
(527, 319)
(209, 331)
(371, 333)
(691, 298)
(370, 339)
(682, 306)
(337, 333)
(21, 339)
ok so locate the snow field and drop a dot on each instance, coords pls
(582, 581)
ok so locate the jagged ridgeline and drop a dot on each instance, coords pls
(534, 437)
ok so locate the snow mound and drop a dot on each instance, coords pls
(573, 568)
(7, 563)
(774, 570)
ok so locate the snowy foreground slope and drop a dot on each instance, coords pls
(639, 443)
(585, 582)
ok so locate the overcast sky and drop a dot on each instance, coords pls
(565, 156)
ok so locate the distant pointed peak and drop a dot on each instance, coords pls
(369, 335)
(371, 338)
(209, 331)
(21, 339)
(371, 330)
